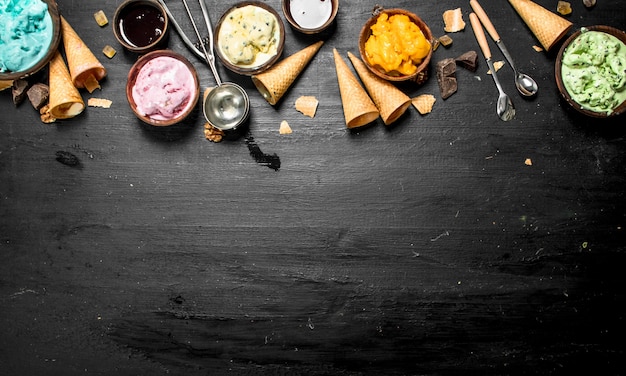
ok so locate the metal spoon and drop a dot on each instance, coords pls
(504, 107)
(524, 83)
(227, 105)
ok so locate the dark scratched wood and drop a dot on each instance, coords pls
(428, 247)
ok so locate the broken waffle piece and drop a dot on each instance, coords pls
(307, 105)
(453, 20)
(213, 134)
(496, 65)
(468, 60)
(101, 18)
(424, 103)
(284, 128)
(446, 77)
(99, 102)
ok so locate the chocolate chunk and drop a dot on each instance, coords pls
(67, 158)
(19, 89)
(38, 95)
(468, 60)
(446, 77)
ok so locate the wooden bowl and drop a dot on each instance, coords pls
(251, 69)
(53, 11)
(619, 34)
(139, 7)
(314, 16)
(421, 74)
(132, 78)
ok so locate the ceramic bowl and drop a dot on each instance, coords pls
(53, 11)
(141, 25)
(421, 74)
(221, 32)
(310, 16)
(619, 34)
(142, 63)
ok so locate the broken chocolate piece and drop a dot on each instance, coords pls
(38, 95)
(468, 60)
(19, 89)
(446, 77)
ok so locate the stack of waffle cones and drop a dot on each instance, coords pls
(274, 82)
(390, 101)
(548, 27)
(358, 108)
(85, 71)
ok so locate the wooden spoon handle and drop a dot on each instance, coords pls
(484, 19)
(480, 35)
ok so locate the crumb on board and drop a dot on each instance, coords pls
(307, 105)
(537, 48)
(284, 128)
(99, 102)
(497, 65)
(528, 162)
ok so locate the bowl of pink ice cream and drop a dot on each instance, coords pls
(162, 88)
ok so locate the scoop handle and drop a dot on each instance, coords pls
(480, 35)
(484, 19)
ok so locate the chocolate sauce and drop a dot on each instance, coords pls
(141, 24)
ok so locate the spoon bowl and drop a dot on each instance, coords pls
(525, 84)
(226, 106)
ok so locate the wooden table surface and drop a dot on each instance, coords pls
(426, 247)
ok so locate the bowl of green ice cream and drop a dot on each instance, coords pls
(31, 32)
(590, 71)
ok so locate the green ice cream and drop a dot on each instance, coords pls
(594, 71)
(25, 34)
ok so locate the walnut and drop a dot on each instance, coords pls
(213, 134)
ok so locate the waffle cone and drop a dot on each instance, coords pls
(275, 81)
(82, 63)
(391, 102)
(65, 101)
(548, 27)
(358, 108)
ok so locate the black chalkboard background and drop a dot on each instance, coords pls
(427, 247)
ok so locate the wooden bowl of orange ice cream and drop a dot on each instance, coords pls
(396, 45)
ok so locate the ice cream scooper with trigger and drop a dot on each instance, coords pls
(504, 106)
(524, 83)
(227, 105)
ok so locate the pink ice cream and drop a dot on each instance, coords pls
(164, 88)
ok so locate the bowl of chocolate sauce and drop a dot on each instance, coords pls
(141, 25)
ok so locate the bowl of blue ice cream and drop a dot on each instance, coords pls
(30, 32)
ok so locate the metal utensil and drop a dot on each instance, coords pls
(524, 83)
(504, 107)
(226, 106)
